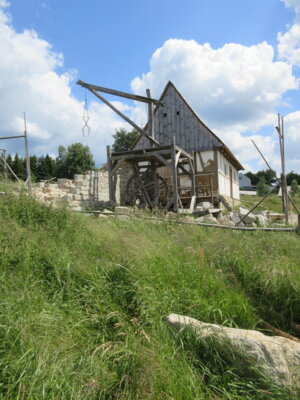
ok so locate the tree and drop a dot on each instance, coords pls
(268, 175)
(294, 188)
(61, 170)
(33, 167)
(124, 139)
(18, 167)
(262, 188)
(78, 159)
(291, 176)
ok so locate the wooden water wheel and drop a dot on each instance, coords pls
(147, 189)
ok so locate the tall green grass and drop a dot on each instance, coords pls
(83, 301)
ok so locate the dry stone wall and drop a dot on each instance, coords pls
(82, 192)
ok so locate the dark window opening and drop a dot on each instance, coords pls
(165, 114)
(177, 112)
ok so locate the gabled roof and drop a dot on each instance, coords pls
(220, 145)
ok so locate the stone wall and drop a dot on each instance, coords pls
(82, 192)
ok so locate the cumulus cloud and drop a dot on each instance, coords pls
(234, 89)
(289, 42)
(29, 82)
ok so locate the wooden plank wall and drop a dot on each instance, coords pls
(177, 119)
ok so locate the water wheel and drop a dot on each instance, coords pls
(147, 189)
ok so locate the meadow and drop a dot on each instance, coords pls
(83, 302)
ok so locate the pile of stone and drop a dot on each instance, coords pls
(78, 194)
(249, 219)
(214, 216)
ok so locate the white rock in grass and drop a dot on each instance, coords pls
(261, 220)
(276, 357)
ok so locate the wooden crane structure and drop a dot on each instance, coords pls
(145, 185)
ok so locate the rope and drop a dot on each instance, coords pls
(85, 129)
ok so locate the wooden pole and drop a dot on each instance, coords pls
(5, 169)
(286, 205)
(110, 180)
(174, 171)
(27, 158)
(284, 193)
(151, 132)
(133, 124)
(12, 172)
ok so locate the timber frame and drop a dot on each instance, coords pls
(169, 163)
(147, 161)
(150, 159)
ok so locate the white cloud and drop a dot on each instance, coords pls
(244, 84)
(234, 89)
(292, 128)
(289, 42)
(29, 82)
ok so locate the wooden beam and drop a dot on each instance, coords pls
(11, 137)
(192, 204)
(174, 172)
(186, 154)
(177, 157)
(7, 165)
(186, 172)
(201, 160)
(140, 156)
(143, 151)
(192, 169)
(150, 116)
(217, 170)
(161, 159)
(116, 166)
(119, 93)
(110, 180)
(134, 125)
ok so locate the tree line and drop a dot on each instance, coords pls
(265, 178)
(75, 159)
(269, 177)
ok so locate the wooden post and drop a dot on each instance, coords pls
(5, 169)
(27, 158)
(286, 205)
(174, 172)
(110, 180)
(151, 132)
(155, 184)
(192, 177)
(211, 189)
(284, 193)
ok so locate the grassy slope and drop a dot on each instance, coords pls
(83, 300)
(272, 203)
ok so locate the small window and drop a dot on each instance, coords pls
(165, 114)
(177, 112)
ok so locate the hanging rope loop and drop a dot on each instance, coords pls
(85, 129)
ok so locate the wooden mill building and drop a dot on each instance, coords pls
(216, 168)
(178, 162)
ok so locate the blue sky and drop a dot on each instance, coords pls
(236, 62)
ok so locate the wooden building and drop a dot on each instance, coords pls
(215, 167)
